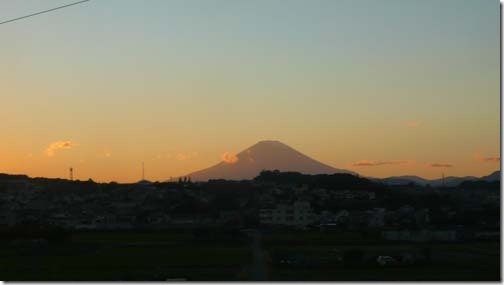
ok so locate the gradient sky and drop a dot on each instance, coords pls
(390, 87)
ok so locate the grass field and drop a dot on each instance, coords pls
(116, 256)
(124, 256)
(457, 261)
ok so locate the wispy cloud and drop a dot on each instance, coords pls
(186, 156)
(54, 147)
(379, 162)
(229, 157)
(163, 156)
(490, 158)
(487, 158)
(442, 165)
(413, 124)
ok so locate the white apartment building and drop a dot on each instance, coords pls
(298, 214)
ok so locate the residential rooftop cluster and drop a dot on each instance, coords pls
(321, 202)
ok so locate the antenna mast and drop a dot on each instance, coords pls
(143, 171)
(71, 174)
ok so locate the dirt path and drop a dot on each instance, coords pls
(259, 266)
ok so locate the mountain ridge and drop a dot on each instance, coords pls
(448, 181)
(264, 155)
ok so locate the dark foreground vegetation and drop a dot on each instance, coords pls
(216, 254)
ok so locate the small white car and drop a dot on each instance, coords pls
(384, 260)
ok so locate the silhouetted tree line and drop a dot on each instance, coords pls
(337, 181)
(483, 185)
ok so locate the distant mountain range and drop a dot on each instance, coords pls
(275, 155)
(264, 155)
(449, 181)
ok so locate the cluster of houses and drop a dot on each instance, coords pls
(301, 214)
(268, 196)
(298, 214)
(147, 205)
(421, 235)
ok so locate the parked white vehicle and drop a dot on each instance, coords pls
(384, 260)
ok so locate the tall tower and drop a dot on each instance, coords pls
(71, 173)
(143, 171)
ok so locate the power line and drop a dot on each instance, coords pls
(42, 12)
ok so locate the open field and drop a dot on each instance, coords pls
(323, 259)
(124, 256)
(118, 256)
